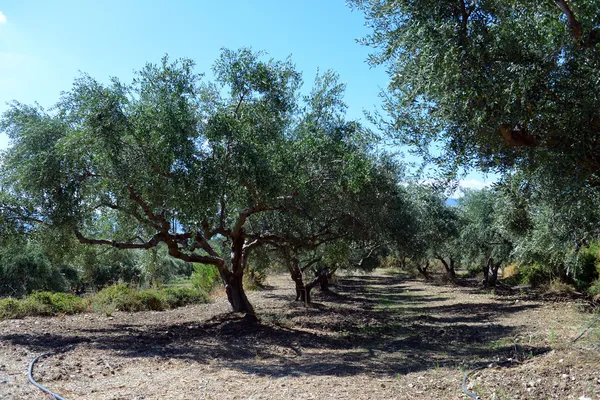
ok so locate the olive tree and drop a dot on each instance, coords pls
(485, 240)
(171, 160)
(493, 84)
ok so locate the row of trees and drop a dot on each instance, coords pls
(511, 223)
(171, 161)
(250, 164)
(501, 86)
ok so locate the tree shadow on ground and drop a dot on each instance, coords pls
(371, 324)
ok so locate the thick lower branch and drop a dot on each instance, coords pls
(156, 239)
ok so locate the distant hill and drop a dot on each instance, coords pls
(451, 202)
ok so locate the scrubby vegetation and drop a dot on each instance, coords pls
(118, 297)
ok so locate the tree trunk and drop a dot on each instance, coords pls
(449, 267)
(493, 279)
(302, 293)
(490, 272)
(237, 296)
(324, 279)
(486, 271)
(423, 270)
(234, 280)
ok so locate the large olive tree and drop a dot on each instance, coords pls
(173, 160)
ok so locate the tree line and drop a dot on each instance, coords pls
(171, 170)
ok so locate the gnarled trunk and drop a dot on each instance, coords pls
(237, 296)
(234, 280)
(490, 272)
(423, 270)
(302, 293)
(323, 279)
(449, 267)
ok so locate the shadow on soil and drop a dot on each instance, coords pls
(380, 325)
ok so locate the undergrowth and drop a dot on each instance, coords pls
(113, 298)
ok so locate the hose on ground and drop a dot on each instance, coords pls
(30, 375)
(464, 383)
(586, 329)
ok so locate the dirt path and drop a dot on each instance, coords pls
(378, 337)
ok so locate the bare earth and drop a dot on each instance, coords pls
(377, 336)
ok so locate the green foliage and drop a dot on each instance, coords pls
(10, 308)
(170, 159)
(24, 268)
(180, 296)
(535, 274)
(101, 267)
(48, 303)
(588, 269)
(390, 262)
(124, 298)
(41, 303)
(205, 277)
(594, 289)
(257, 268)
(157, 267)
(492, 83)
(113, 298)
(482, 234)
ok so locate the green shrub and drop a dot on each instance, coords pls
(41, 303)
(535, 274)
(55, 303)
(110, 299)
(594, 288)
(390, 262)
(205, 277)
(588, 266)
(473, 271)
(26, 268)
(10, 308)
(121, 297)
(181, 296)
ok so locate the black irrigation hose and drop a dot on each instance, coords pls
(30, 376)
(586, 329)
(464, 384)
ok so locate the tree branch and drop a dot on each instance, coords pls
(164, 225)
(573, 23)
(156, 239)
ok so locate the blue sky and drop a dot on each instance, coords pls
(44, 45)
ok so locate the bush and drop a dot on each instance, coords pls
(559, 287)
(473, 271)
(123, 298)
(25, 268)
(41, 303)
(108, 300)
(390, 262)
(594, 289)
(181, 296)
(535, 274)
(588, 266)
(205, 277)
(47, 303)
(10, 308)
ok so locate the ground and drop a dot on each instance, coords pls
(377, 336)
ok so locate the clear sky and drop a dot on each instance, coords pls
(44, 44)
